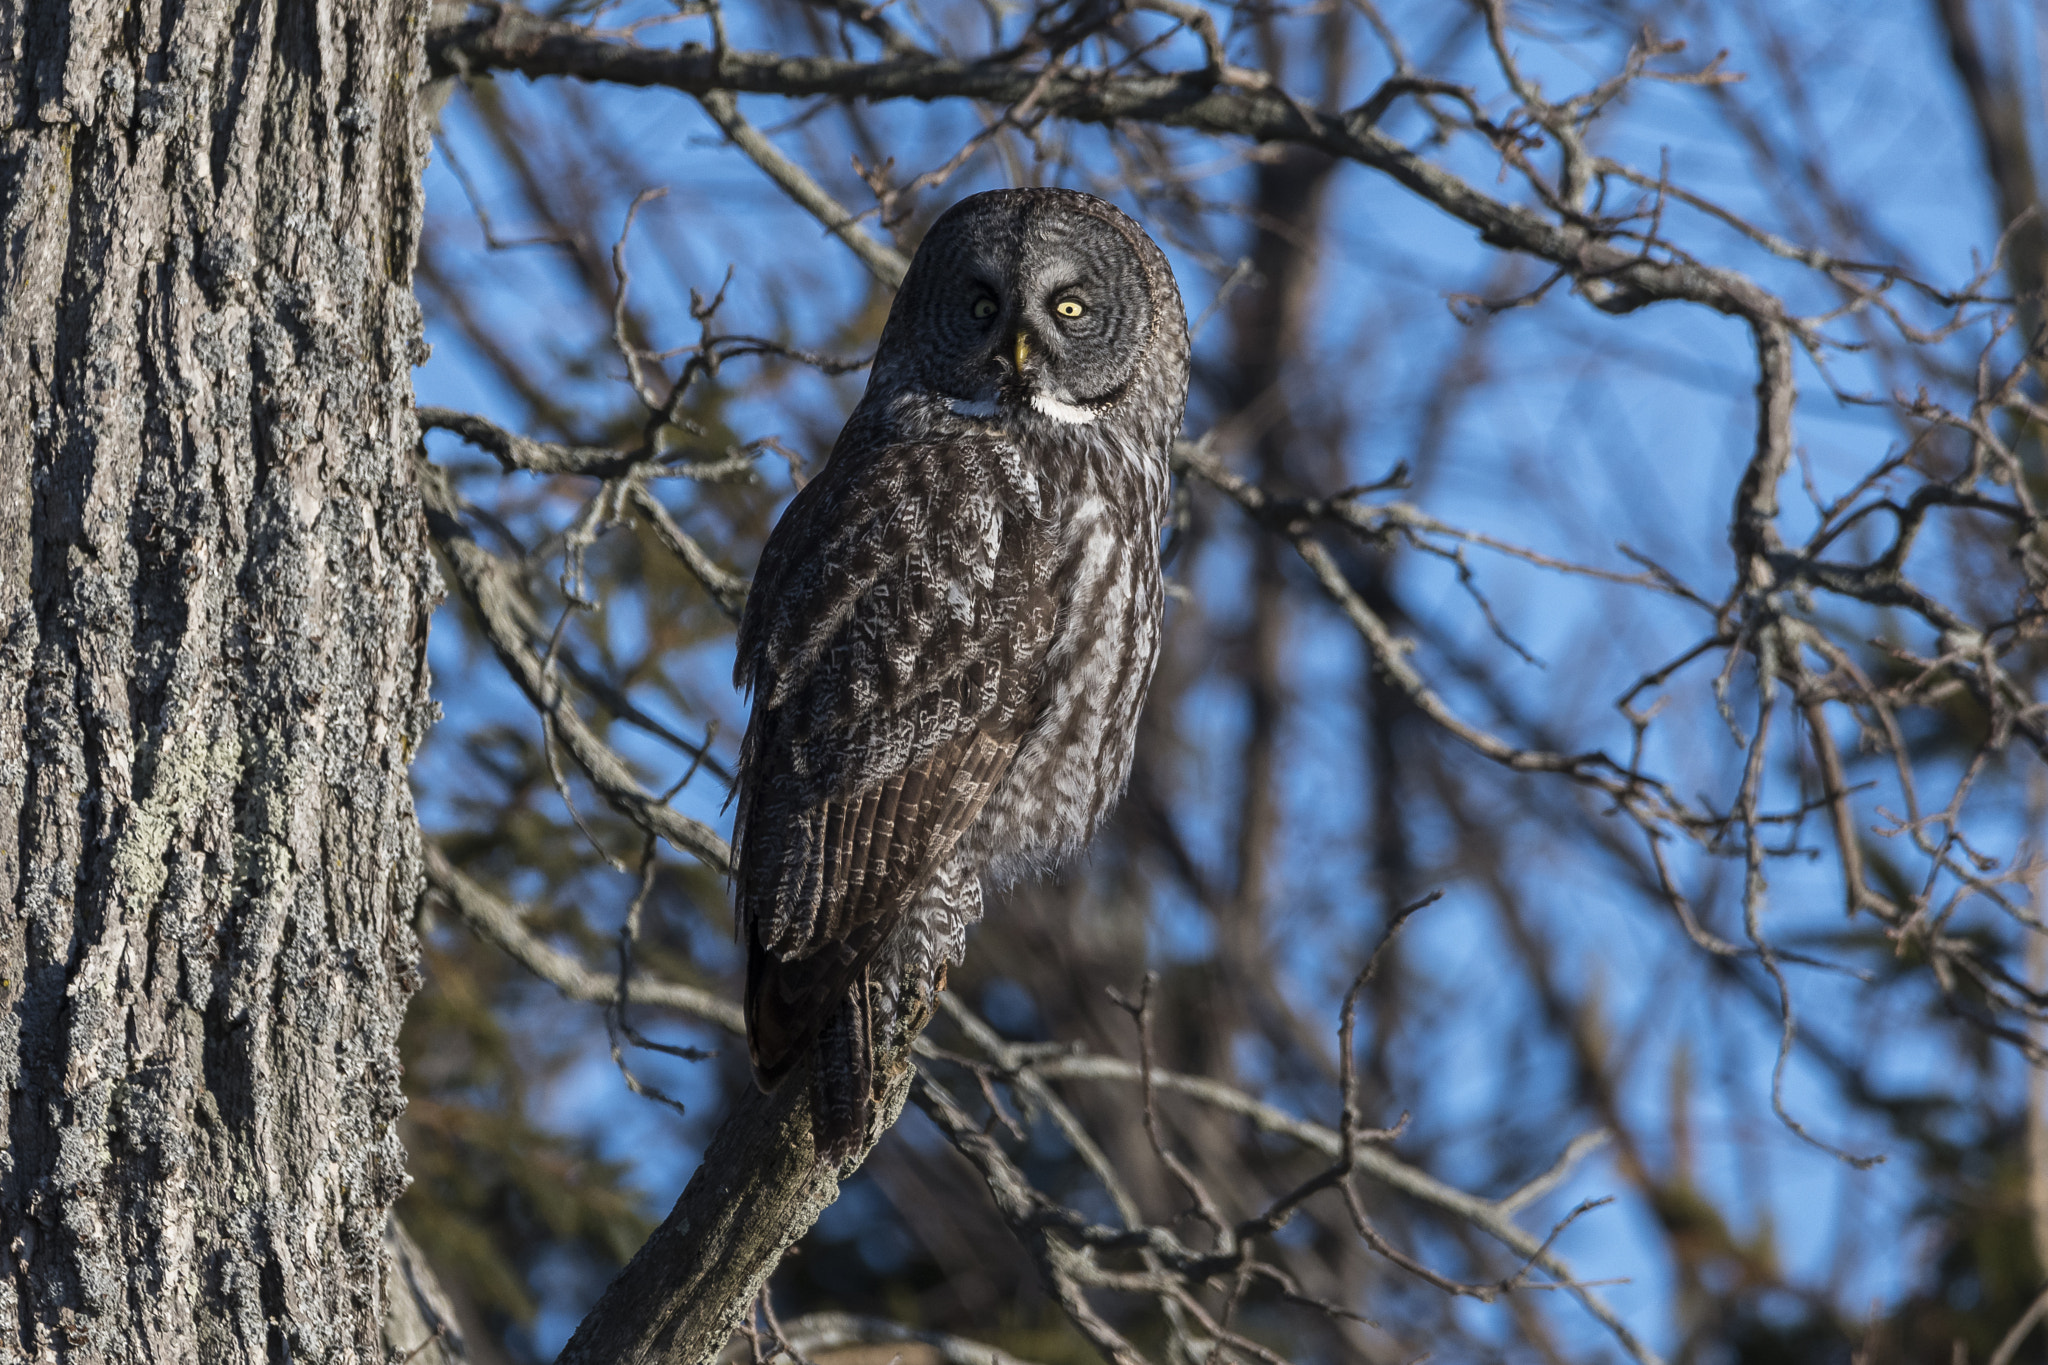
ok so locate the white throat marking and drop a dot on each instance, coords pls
(1063, 412)
(985, 409)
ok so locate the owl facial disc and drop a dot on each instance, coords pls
(1028, 307)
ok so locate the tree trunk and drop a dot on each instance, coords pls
(214, 592)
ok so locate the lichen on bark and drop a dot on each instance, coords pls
(213, 601)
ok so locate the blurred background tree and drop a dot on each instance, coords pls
(1610, 501)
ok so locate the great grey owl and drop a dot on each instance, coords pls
(953, 625)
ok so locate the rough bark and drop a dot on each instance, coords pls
(213, 604)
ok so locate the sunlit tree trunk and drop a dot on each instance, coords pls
(213, 603)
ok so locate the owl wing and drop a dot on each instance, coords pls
(893, 640)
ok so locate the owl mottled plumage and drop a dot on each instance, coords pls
(953, 626)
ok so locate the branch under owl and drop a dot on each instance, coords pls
(1069, 1246)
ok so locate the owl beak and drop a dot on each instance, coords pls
(1023, 351)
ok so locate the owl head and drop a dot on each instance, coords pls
(1038, 306)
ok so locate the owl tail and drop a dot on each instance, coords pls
(843, 1077)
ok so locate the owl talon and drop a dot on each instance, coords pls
(926, 1007)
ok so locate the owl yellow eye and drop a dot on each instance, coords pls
(1069, 308)
(984, 308)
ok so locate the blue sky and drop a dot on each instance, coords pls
(1593, 431)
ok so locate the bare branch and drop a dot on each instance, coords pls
(884, 262)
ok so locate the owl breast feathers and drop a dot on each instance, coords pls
(953, 625)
